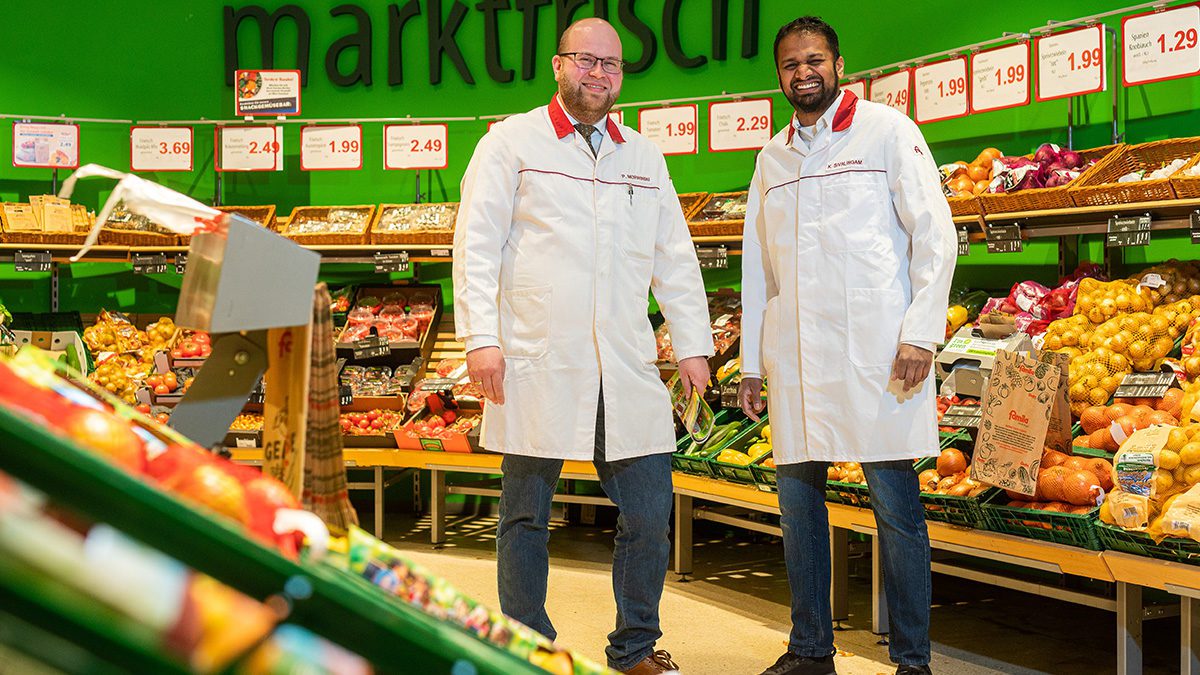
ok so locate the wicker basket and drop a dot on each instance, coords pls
(443, 236)
(690, 202)
(701, 227)
(1186, 187)
(964, 206)
(263, 215)
(1040, 199)
(115, 237)
(1100, 187)
(80, 220)
(328, 238)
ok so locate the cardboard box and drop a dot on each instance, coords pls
(57, 343)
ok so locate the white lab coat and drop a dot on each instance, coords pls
(555, 252)
(849, 249)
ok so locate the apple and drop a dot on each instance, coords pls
(106, 434)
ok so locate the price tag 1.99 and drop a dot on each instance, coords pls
(331, 148)
(892, 90)
(672, 129)
(250, 149)
(160, 148)
(415, 146)
(1071, 63)
(1161, 45)
(941, 90)
(1000, 78)
(739, 125)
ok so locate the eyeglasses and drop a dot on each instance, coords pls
(587, 61)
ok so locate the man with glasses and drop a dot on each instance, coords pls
(567, 221)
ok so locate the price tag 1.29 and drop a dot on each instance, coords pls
(1133, 231)
(161, 148)
(250, 148)
(739, 125)
(892, 90)
(32, 261)
(940, 92)
(415, 146)
(1000, 78)
(1161, 45)
(331, 148)
(1071, 63)
(673, 129)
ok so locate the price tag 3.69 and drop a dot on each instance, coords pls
(160, 148)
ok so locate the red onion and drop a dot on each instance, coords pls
(1070, 159)
(1046, 153)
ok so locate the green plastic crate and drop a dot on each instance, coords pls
(1061, 528)
(1174, 549)
(701, 465)
(764, 476)
(737, 473)
(965, 511)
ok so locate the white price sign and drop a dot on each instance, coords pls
(859, 87)
(325, 148)
(1071, 63)
(160, 148)
(617, 116)
(48, 146)
(941, 90)
(1000, 78)
(250, 148)
(672, 129)
(892, 90)
(415, 146)
(739, 125)
(1161, 45)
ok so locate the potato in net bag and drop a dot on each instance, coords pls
(1094, 376)
(1141, 337)
(1100, 301)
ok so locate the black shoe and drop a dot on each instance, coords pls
(914, 670)
(794, 664)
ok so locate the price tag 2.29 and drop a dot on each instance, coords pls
(739, 125)
(941, 90)
(331, 148)
(161, 148)
(1071, 63)
(1000, 78)
(32, 261)
(1161, 45)
(892, 90)
(415, 146)
(673, 129)
(1133, 231)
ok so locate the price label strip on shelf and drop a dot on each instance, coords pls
(391, 262)
(739, 125)
(1071, 63)
(180, 263)
(372, 347)
(415, 146)
(1195, 221)
(250, 148)
(149, 263)
(857, 87)
(713, 257)
(962, 416)
(1133, 231)
(673, 129)
(1161, 45)
(892, 90)
(161, 148)
(729, 395)
(32, 261)
(1004, 239)
(964, 242)
(439, 253)
(1145, 385)
(1000, 78)
(940, 91)
(331, 148)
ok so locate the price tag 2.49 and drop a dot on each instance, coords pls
(892, 90)
(415, 146)
(672, 129)
(250, 149)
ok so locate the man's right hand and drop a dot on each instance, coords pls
(486, 366)
(750, 397)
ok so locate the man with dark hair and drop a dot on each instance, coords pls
(848, 253)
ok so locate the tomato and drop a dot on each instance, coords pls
(189, 349)
(163, 418)
(449, 416)
(171, 380)
(153, 381)
(143, 408)
(364, 424)
(176, 353)
(160, 389)
(376, 423)
(374, 415)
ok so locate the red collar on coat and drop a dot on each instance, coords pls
(563, 126)
(842, 118)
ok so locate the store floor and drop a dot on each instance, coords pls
(732, 618)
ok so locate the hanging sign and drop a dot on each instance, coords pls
(258, 148)
(32, 261)
(160, 148)
(739, 125)
(415, 146)
(940, 91)
(1161, 46)
(330, 148)
(858, 87)
(1004, 239)
(964, 242)
(266, 92)
(673, 129)
(45, 146)
(1000, 78)
(1071, 63)
(1132, 231)
(892, 90)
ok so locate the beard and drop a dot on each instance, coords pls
(584, 104)
(813, 102)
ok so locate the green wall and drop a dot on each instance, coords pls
(146, 60)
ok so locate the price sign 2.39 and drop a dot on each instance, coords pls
(161, 148)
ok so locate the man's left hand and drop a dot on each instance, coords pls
(912, 365)
(694, 372)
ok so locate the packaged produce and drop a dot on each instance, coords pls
(1139, 338)
(417, 218)
(725, 318)
(960, 179)
(1105, 427)
(1066, 483)
(335, 220)
(1100, 301)
(1094, 376)
(112, 332)
(1163, 171)
(1050, 166)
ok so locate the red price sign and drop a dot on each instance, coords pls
(1071, 63)
(257, 148)
(858, 87)
(673, 129)
(739, 125)
(1000, 78)
(941, 90)
(415, 146)
(1161, 46)
(330, 148)
(892, 90)
(160, 148)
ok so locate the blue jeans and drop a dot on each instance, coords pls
(903, 539)
(641, 489)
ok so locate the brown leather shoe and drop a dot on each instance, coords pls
(658, 662)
